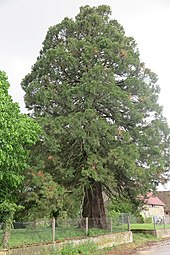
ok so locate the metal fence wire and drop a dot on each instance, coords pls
(45, 231)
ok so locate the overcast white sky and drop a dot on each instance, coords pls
(24, 24)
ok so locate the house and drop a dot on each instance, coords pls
(164, 196)
(153, 207)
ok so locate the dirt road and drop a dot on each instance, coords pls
(161, 248)
(150, 248)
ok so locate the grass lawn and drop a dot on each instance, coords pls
(20, 237)
(40, 235)
(141, 238)
(43, 234)
(148, 226)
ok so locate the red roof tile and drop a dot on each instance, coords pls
(154, 201)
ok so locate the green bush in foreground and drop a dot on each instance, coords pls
(84, 249)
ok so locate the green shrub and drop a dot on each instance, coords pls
(87, 248)
(148, 220)
(139, 219)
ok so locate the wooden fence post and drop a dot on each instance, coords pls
(154, 225)
(111, 225)
(128, 222)
(87, 226)
(53, 229)
(164, 222)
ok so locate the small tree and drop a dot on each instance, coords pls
(40, 196)
(17, 132)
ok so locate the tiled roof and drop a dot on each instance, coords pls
(153, 200)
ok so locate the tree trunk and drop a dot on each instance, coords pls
(93, 206)
(6, 234)
(5, 239)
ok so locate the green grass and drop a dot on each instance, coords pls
(40, 235)
(148, 226)
(28, 236)
(141, 238)
(20, 237)
(43, 234)
(91, 248)
(83, 249)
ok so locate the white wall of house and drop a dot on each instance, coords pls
(153, 211)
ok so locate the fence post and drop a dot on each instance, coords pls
(154, 225)
(87, 226)
(164, 222)
(111, 225)
(128, 222)
(53, 229)
(122, 218)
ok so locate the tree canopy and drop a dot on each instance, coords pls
(98, 106)
(17, 132)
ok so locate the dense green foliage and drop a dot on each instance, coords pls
(40, 196)
(17, 132)
(119, 205)
(98, 106)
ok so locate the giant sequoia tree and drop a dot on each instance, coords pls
(97, 104)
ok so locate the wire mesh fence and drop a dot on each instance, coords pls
(45, 231)
(149, 223)
(52, 230)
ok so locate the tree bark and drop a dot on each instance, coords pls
(93, 206)
(6, 235)
(5, 239)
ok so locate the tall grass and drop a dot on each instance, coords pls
(87, 248)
